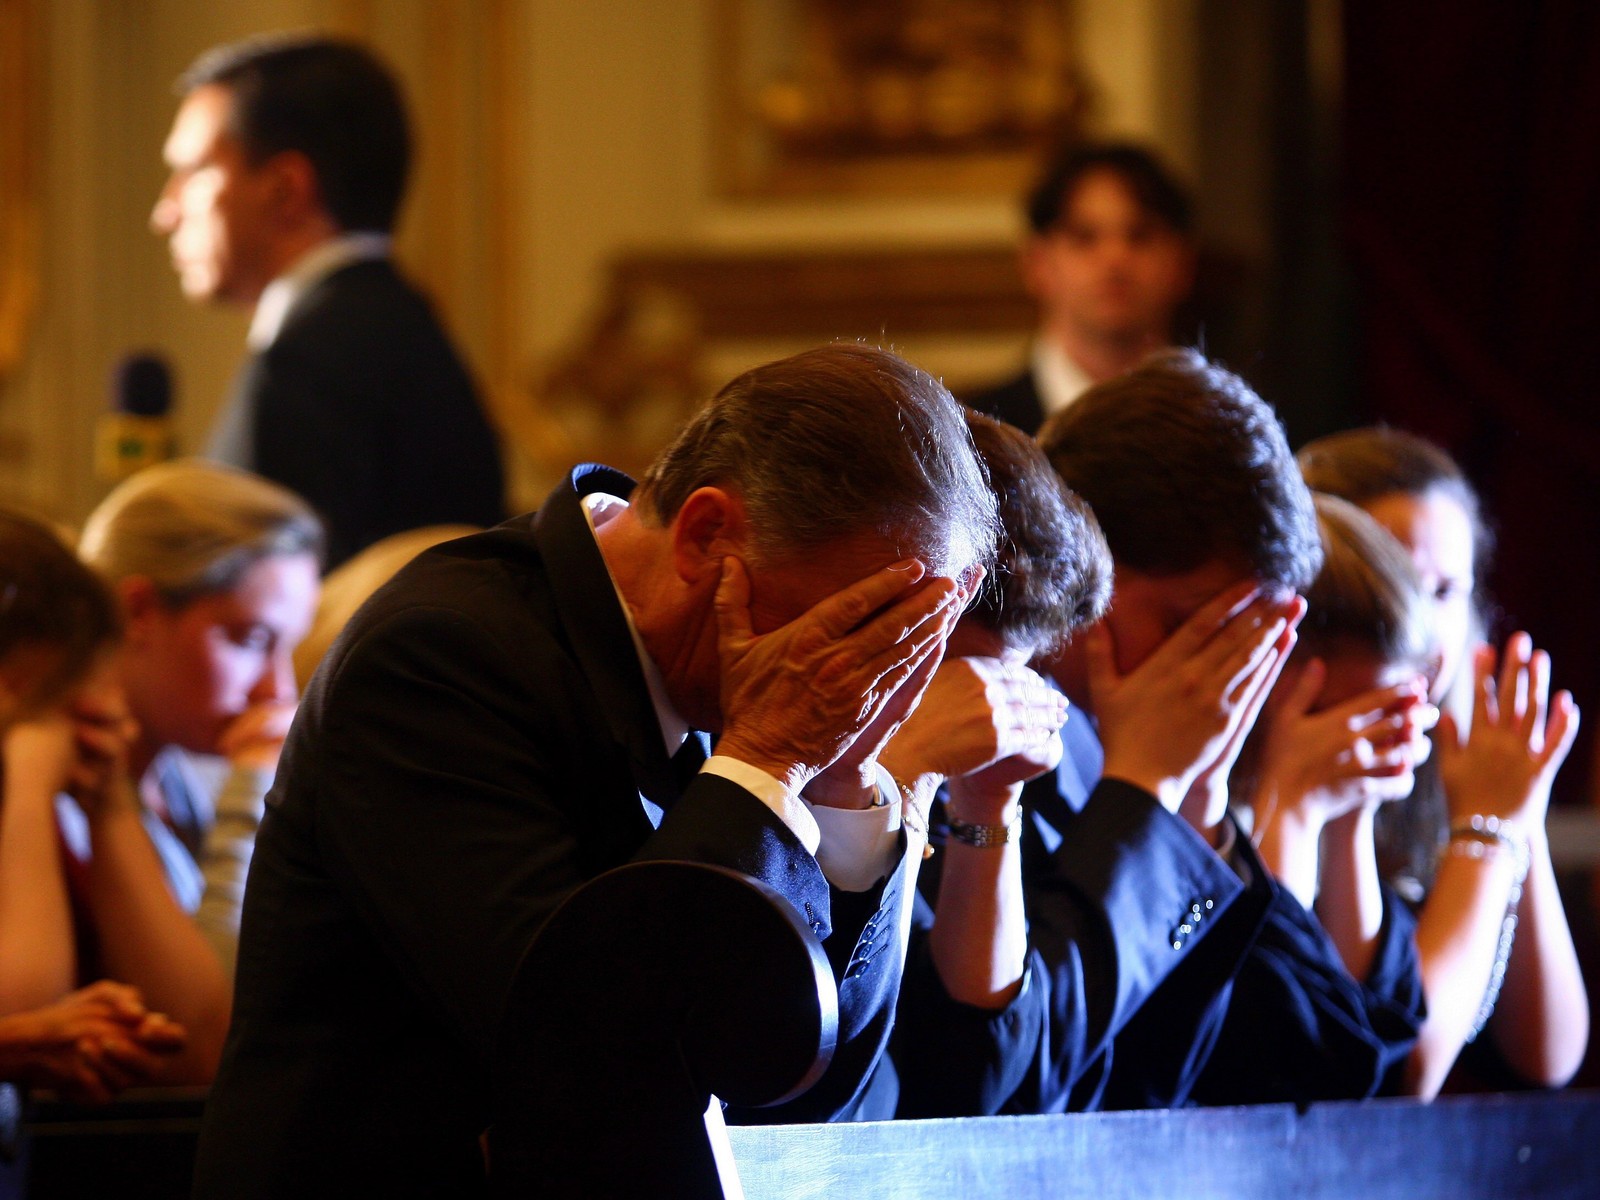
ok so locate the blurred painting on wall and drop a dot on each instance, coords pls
(896, 97)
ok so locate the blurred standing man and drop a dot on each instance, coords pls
(1109, 259)
(288, 158)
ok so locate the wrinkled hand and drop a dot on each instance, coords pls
(91, 1044)
(795, 700)
(254, 739)
(1182, 715)
(985, 725)
(1363, 751)
(1519, 739)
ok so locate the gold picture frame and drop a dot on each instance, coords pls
(896, 98)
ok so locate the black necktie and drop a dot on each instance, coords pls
(686, 763)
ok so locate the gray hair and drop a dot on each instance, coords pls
(193, 528)
(834, 442)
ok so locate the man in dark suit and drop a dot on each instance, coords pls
(1211, 528)
(1123, 894)
(508, 719)
(1109, 258)
(288, 159)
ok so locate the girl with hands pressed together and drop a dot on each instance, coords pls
(1329, 999)
(1345, 732)
(1497, 953)
(56, 624)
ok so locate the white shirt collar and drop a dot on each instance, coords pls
(310, 269)
(1060, 380)
(600, 508)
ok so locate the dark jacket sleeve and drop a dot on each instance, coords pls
(863, 935)
(1119, 894)
(1300, 1028)
(953, 1059)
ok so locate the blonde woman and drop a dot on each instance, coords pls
(215, 575)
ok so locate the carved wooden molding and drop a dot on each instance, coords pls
(838, 293)
(623, 387)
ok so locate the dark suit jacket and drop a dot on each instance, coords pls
(479, 743)
(363, 407)
(1016, 401)
(1111, 878)
(1255, 1007)
(1300, 1028)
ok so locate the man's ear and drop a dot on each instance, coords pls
(296, 187)
(709, 526)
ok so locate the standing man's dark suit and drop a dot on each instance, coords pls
(1016, 402)
(479, 743)
(362, 406)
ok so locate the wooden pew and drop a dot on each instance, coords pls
(676, 981)
(1458, 1148)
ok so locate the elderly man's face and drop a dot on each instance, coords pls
(790, 586)
(217, 208)
(783, 589)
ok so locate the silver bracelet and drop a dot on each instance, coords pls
(1479, 836)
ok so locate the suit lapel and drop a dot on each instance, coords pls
(587, 604)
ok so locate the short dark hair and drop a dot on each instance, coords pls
(1053, 573)
(1152, 185)
(1183, 463)
(830, 443)
(1365, 465)
(48, 598)
(332, 101)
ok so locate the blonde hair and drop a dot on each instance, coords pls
(348, 586)
(193, 528)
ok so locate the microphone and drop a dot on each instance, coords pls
(137, 431)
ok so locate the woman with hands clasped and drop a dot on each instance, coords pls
(56, 621)
(985, 726)
(1497, 953)
(1328, 1002)
(215, 574)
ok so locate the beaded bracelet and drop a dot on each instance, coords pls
(1479, 836)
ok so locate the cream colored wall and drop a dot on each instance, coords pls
(553, 134)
